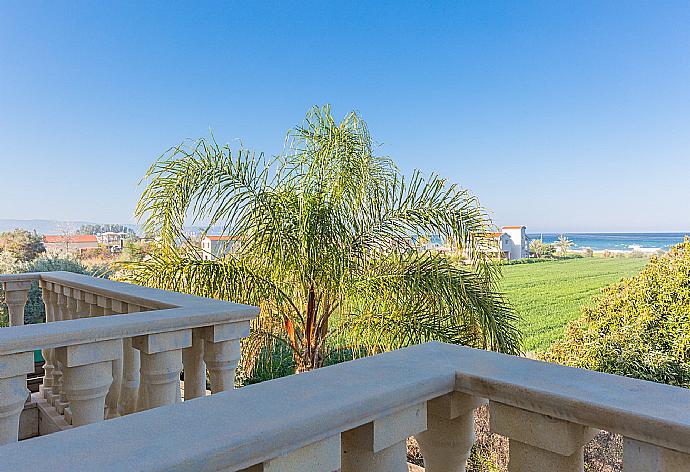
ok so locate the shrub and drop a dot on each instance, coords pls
(523, 261)
(22, 244)
(96, 253)
(639, 327)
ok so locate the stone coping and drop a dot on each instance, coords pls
(639, 409)
(148, 297)
(236, 429)
(170, 311)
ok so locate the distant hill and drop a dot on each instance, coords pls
(45, 226)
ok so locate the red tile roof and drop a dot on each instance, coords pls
(513, 227)
(76, 238)
(222, 238)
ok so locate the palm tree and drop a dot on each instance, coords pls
(536, 247)
(563, 244)
(327, 248)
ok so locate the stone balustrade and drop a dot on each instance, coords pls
(357, 415)
(111, 349)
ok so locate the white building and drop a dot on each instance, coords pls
(111, 239)
(215, 247)
(513, 243)
(519, 242)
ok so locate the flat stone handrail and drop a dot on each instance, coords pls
(169, 311)
(86, 330)
(648, 411)
(151, 298)
(238, 429)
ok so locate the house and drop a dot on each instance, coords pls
(512, 243)
(519, 242)
(112, 239)
(433, 244)
(499, 247)
(215, 247)
(69, 243)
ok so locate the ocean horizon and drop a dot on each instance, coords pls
(616, 241)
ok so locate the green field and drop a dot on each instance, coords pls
(547, 295)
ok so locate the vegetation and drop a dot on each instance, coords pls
(549, 294)
(21, 245)
(639, 327)
(97, 229)
(327, 245)
(563, 244)
(539, 249)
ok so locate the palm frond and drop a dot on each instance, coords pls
(404, 299)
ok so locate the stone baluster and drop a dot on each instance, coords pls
(71, 296)
(113, 398)
(16, 294)
(72, 303)
(92, 301)
(222, 353)
(640, 456)
(448, 440)
(539, 442)
(380, 446)
(13, 392)
(54, 395)
(62, 293)
(87, 373)
(82, 308)
(46, 387)
(161, 364)
(322, 456)
(60, 402)
(131, 363)
(194, 367)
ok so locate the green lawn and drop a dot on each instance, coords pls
(548, 295)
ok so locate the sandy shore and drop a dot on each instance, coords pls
(650, 251)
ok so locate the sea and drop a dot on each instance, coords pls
(645, 242)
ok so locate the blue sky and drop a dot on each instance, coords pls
(563, 116)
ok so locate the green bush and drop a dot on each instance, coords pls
(277, 361)
(533, 260)
(639, 327)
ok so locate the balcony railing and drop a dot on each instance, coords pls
(354, 416)
(111, 349)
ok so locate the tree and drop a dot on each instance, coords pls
(326, 251)
(536, 247)
(563, 244)
(21, 244)
(540, 249)
(68, 231)
(97, 229)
